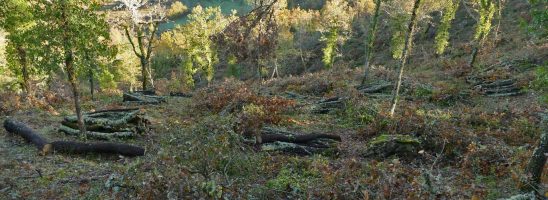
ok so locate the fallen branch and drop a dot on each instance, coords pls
(180, 94)
(46, 147)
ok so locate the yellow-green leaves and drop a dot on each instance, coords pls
(486, 11)
(442, 35)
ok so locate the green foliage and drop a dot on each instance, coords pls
(398, 26)
(330, 49)
(295, 177)
(336, 18)
(194, 42)
(176, 9)
(486, 11)
(539, 18)
(541, 82)
(442, 35)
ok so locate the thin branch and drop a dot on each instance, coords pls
(131, 42)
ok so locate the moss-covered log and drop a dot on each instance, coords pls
(143, 98)
(97, 135)
(295, 143)
(45, 147)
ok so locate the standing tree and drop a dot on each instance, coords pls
(17, 19)
(371, 38)
(193, 40)
(336, 18)
(143, 26)
(403, 59)
(486, 11)
(71, 30)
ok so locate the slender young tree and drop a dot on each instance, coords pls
(371, 39)
(17, 19)
(143, 28)
(71, 30)
(403, 59)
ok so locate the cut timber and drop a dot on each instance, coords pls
(26, 132)
(97, 135)
(329, 105)
(108, 124)
(104, 148)
(302, 144)
(375, 88)
(143, 98)
(45, 147)
(180, 94)
(499, 88)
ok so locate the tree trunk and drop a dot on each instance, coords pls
(75, 93)
(24, 70)
(144, 73)
(475, 52)
(473, 57)
(370, 40)
(535, 166)
(403, 60)
(71, 72)
(91, 85)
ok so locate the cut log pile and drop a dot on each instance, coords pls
(298, 143)
(143, 97)
(46, 147)
(378, 89)
(328, 105)
(108, 124)
(498, 88)
(499, 80)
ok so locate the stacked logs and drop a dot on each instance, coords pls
(108, 124)
(298, 143)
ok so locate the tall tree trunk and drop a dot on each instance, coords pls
(25, 71)
(536, 165)
(144, 73)
(403, 60)
(371, 39)
(91, 85)
(71, 72)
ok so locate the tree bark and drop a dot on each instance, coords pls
(24, 71)
(403, 60)
(537, 162)
(91, 85)
(71, 72)
(370, 40)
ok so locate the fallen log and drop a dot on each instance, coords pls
(98, 135)
(375, 88)
(180, 94)
(46, 147)
(301, 144)
(26, 132)
(142, 98)
(104, 148)
(328, 105)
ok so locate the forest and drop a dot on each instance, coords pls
(273, 99)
